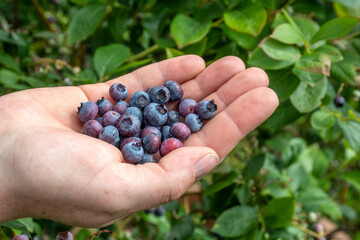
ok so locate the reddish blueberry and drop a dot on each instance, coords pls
(128, 125)
(87, 111)
(150, 129)
(180, 131)
(121, 106)
(139, 99)
(132, 152)
(176, 91)
(155, 114)
(64, 235)
(206, 109)
(118, 92)
(21, 237)
(194, 122)
(187, 106)
(169, 145)
(110, 118)
(151, 143)
(92, 128)
(104, 106)
(160, 95)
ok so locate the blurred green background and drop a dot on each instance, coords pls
(287, 179)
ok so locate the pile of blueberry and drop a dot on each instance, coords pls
(144, 126)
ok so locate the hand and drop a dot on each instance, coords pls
(49, 169)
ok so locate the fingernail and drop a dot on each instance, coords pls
(205, 165)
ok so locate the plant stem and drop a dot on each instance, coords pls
(41, 13)
(142, 54)
(307, 231)
(340, 89)
(217, 22)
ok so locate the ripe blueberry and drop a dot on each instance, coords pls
(110, 118)
(176, 91)
(128, 125)
(150, 129)
(151, 143)
(21, 237)
(194, 122)
(159, 211)
(169, 145)
(87, 111)
(127, 140)
(136, 111)
(180, 131)
(110, 134)
(147, 158)
(173, 117)
(118, 92)
(104, 106)
(339, 101)
(100, 120)
(132, 152)
(139, 99)
(121, 106)
(206, 109)
(187, 106)
(160, 94)
(165, 132)
(92, 128)
(64, 235)
(155, 114)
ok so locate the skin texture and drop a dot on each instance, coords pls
(61, 174)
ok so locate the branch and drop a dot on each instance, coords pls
(41, 13)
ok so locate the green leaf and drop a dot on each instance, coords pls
(243, 194)
(351, 131)
(333, 53)
(343, 73)
(308, 27)
(315, 199)
(279, 212)
(8, 61)
(348, 3)
(15, 224)
(352, 177)
(322, 119)
(196, 48)
(279, 51)
(335, 28)
(171, 52)
(299, 178)
(287, 34)
(306, 98)
(33, 82)
(279, 79)
(259, 59)
(314, 160)
(85, 21)
(250, 20)
(119, 20)
(220, 184)
(236, 221)
(187, 30)
(211, 10)
(83, 2)
(312, 68)
(342, 10)
(108, 58)
(244, 40)
(8, 77)
(254, 166)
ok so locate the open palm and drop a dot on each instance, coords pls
(49, 169)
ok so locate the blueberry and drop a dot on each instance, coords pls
(180, 131)
(121, 106)
(64, 235)
(104, 106)
(92, 128)
(339, 101)
(194, 122)
(187, 106)
(139, 99)
(150, 129)
(136, 111)
(110, 134)
(132, 152)
(169, 145)
(160, 95)
(87, 111)
(147, 158)
(206, 109)
(159, 211)
(110, 118)
(155, 114)
(118, 92)
(125, 141)
(21, 237)
(100, 120)
(173, 117)
(165, 132)
(150, 210)
(128, 125)
(149, 90)
(151, 143)
(176, 91)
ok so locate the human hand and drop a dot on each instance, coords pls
(49, 169)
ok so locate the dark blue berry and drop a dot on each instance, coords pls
(132, 152)
(128, 125)
(139, 99)
(206, 109)
(100, 120)
(180, 131)
(159, 211)
(92, 128)
(104, 106)
(127, 140)
(110, 134)
(21, 237)
(169, 145)
(155, 114)
(147, 158)
(165, 132)
(194, 122)
(176, 91)
(136, 111)
(173, 117)
(121, 106)
(151, 143)
(160, 95)
(64, 235)
(110, 118)
(339, 101)
(187, 106)
(118, 92)
(150, 129)
(87, 111)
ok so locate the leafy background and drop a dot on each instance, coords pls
(300, 167)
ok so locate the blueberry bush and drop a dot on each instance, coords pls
(299, 167)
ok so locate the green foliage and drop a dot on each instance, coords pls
(303, 160)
